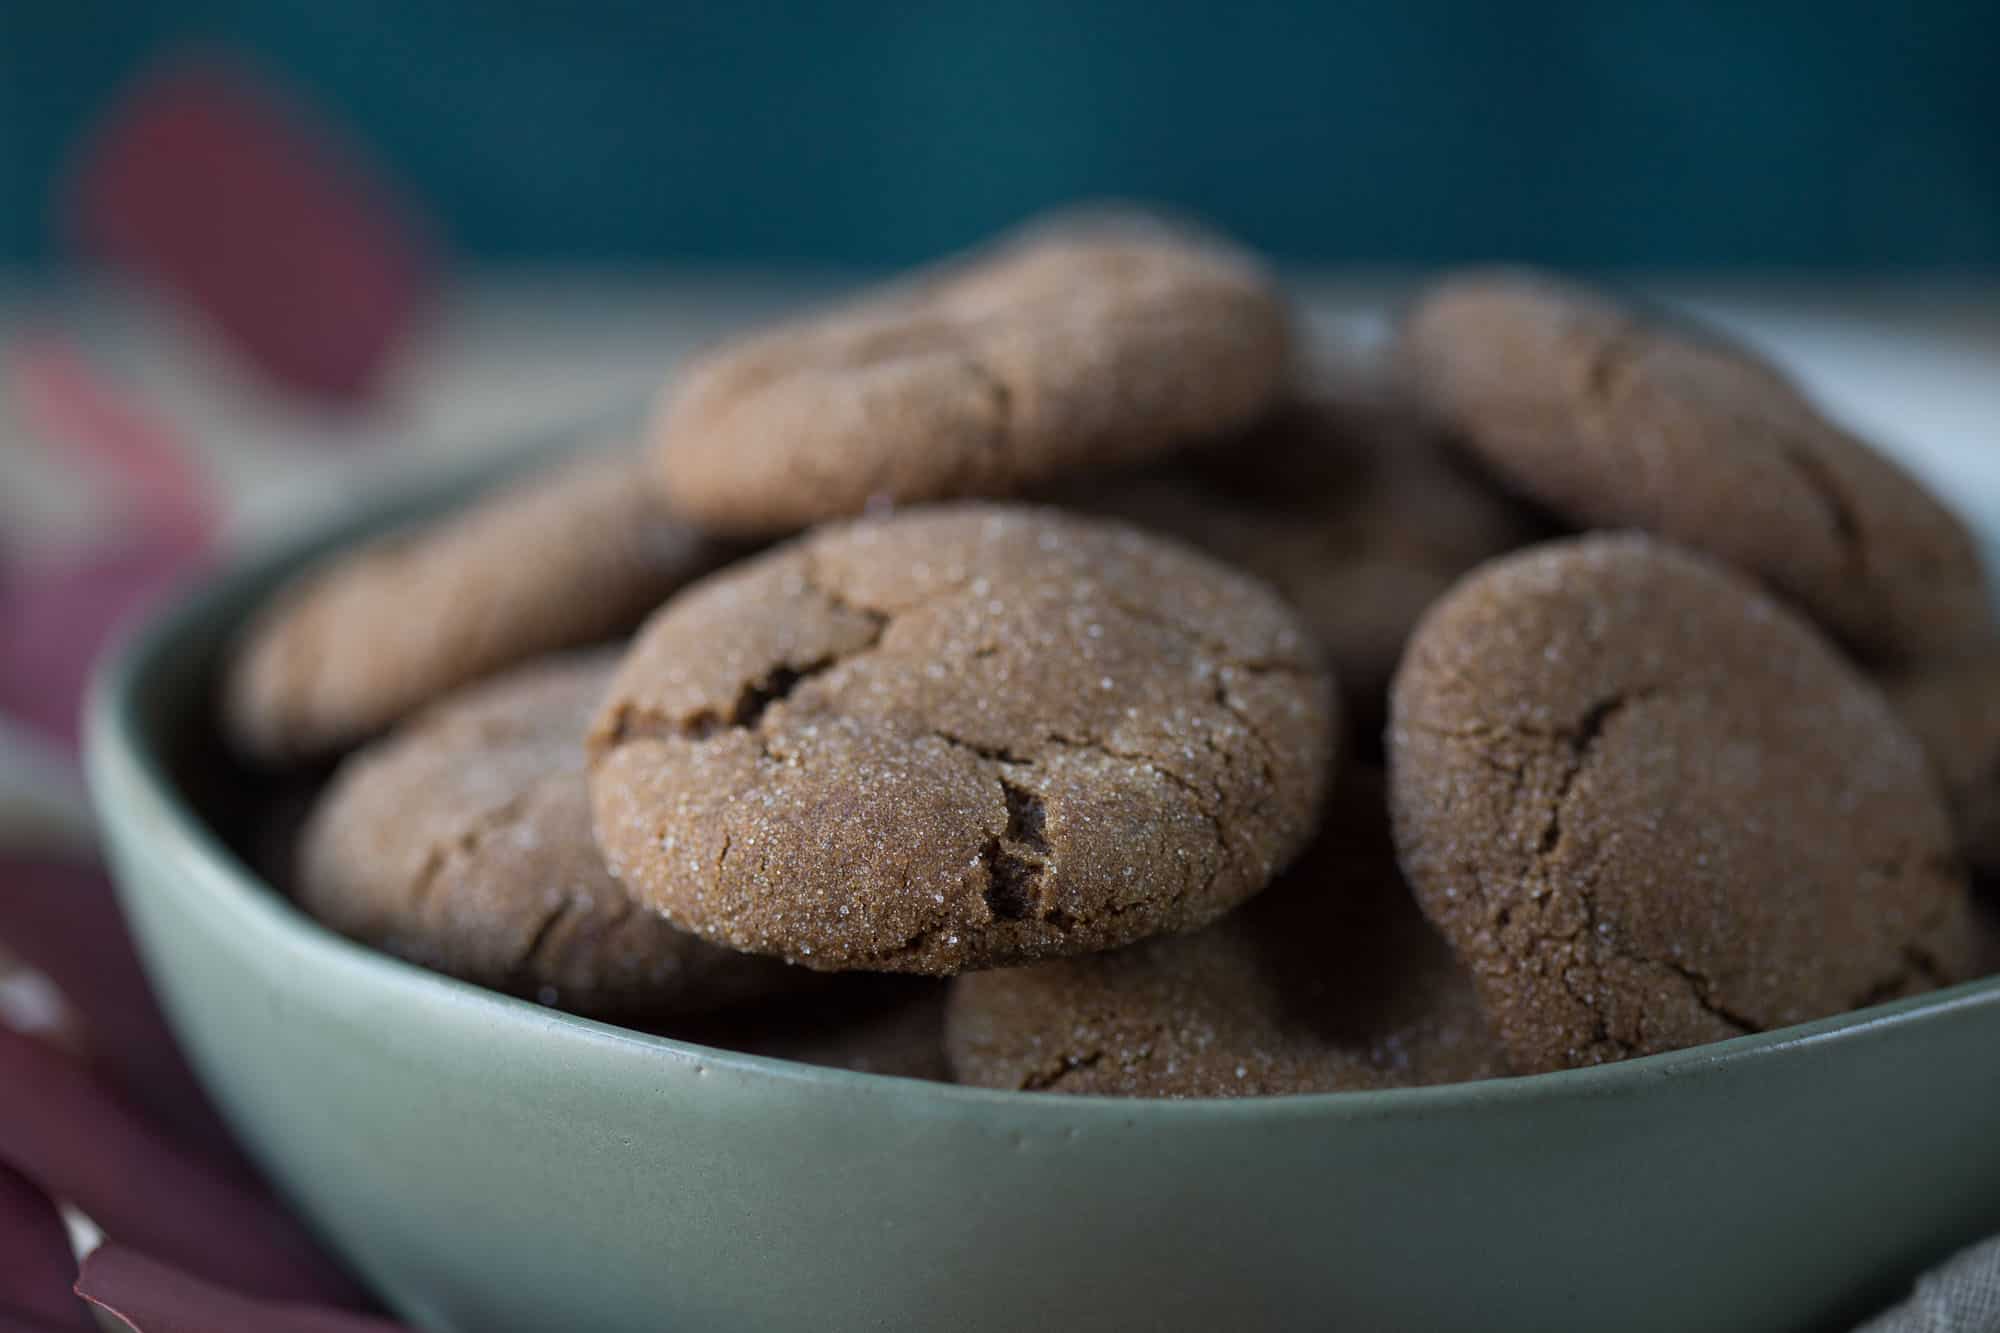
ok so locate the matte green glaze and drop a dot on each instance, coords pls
(491, 1165)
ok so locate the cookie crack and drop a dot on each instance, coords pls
(1610, 362)
(919, 941)
(992, 753)
(1000, 392)
(1833, 498)
(996, 849)
(1204, 803)
(1703, 991)
(833, 597)
(544, 932)
(1266, 762)
(755, 696)
(467, 842)
(1017, 861)
(1601, 1033)
(1582, 741)
(1042, 1080)
(1917, 962)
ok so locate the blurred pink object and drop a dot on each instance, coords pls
(195, 1241)
(206, 182)
(154, 1298)
(60, 611)
(35, 1262)
(60, 606)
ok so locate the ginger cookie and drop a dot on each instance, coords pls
(1330, 979)
(462, 842)
(958, 738)
(1953, 708)
(1614, 420)
(1651, 807)
(1346, 503)
(567, 557)
(1049, 357)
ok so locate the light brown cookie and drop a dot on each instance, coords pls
(1350, 506)
(960, 738)
(1614, 420)
(462, 842)
(1049, 357)
(1651, 807)
(566, 557)
(1328, 980)
(1953, 708)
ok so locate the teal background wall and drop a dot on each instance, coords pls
(1843, 133)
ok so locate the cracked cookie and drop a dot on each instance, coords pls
(462, 842)
(1349, 506)
(1613, 420)
(959, 738)
(569, 556)
(1953, 708)
(1329, 979)
(1651, 807)
(1047, 358)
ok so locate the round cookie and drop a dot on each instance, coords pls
(1048, 357)
(1349, 506)
(1953, 708)
(1616, 421)
(1330, 979)
(959, 738)
(1652, 807)
(462, 842)
(569, 556)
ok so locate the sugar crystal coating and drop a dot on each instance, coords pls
(462, 842)
(1613, 419)
(1330, 979)
(1067, 351)
(958, 738)
(563, 558)
(1652, 807)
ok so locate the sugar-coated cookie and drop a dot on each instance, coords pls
(462, 842)
(1075, 350)
(959, 738)
(1330, 979)
(1651, 806)
(566, 557)
(1612, 419)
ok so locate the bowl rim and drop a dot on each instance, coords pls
(130, 783)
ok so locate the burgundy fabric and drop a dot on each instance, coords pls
(62, 920)
(62, 1128)
(207, 183)
(36, 1267)
(155, 1298)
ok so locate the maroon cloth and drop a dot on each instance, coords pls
(36, 1269)
(201, 1243)
(210, 185)
(154, 1298)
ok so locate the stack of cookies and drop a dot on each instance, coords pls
(1206, 715)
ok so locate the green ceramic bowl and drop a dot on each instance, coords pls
(495, 1166)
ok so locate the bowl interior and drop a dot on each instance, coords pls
(523, 1168)
(155, 702)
